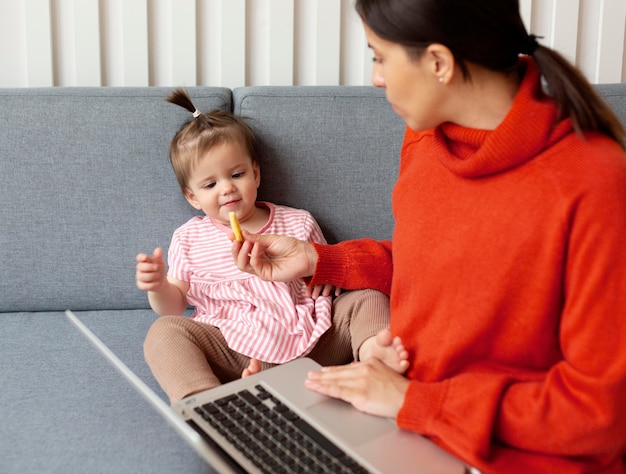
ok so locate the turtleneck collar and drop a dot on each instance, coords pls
(528, 128)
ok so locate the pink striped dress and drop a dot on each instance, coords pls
(270, 321)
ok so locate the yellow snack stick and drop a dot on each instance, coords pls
(234, 223)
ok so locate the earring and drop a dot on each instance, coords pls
(440, 79)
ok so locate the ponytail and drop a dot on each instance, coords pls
(180, 97)
(576, 98)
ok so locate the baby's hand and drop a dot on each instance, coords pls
(322, 290)
(150, 271)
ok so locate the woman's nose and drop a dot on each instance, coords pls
(377, 78)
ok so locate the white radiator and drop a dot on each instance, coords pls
(249, 42)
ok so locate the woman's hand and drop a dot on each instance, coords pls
(370, 386)
(274, 257)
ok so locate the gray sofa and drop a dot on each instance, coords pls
(86, 184)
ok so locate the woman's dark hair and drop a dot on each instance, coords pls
(204, 131)
(491, 34)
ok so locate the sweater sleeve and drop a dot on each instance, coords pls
(574, 409)
(355, 264)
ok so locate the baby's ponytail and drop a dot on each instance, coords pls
(180, 97)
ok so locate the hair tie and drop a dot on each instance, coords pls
(197, 113)
(530, 45)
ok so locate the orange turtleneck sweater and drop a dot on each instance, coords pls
(507, 276)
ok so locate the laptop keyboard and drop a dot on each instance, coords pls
(273, 437)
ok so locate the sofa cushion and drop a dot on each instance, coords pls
(615, 96)
(65, 409)
(86, 184)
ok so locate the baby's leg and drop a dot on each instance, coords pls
(358, 317)
(188, 357)
(369, 326)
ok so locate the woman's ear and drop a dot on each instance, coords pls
(191, 199)
(441, 62)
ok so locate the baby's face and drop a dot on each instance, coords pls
(225, 179)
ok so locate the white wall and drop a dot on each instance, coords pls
(249, 42)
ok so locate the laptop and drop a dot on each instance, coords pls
(304, 428)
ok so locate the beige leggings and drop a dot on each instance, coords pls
(187, 357)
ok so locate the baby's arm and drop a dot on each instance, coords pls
(165, 294)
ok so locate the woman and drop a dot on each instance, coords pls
(507, 271)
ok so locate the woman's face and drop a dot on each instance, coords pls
(412, 85)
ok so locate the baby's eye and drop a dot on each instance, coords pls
(209, 185)
(377, 60)
(238, 175)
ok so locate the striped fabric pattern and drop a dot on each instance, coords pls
(270, 321)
